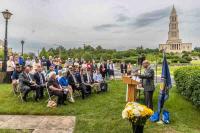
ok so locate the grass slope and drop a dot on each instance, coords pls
(101, 113)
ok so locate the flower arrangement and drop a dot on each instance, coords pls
(136, 113)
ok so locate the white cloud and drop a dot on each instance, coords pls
(71, 22)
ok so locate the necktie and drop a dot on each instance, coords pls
(41, 79)
(74, 78)
(29, 77)
(88, 78)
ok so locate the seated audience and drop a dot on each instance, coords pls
(86, 80)
(55, 89)
(65, 85)
(40, 81)
(51, 69)
(98, 79)
(76, 78)
(27, 84)
(15, 78)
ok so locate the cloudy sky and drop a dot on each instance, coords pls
(119, 24)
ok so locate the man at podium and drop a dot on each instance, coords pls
(147, 80)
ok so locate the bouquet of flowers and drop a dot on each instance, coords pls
(137, 114)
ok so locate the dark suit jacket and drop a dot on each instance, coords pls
(148, 79)
(37, 78)
(78, 77)
(85, 78)
(24, 80)
(123, 68)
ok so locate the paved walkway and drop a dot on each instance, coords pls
(39, 124)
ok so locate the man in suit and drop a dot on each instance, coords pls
(123, 68)
(27, 84)
(82, 86)
(40, 81)
(148, 83)
(86, 79)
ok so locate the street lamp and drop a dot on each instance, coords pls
(22, 42)
(6, 15)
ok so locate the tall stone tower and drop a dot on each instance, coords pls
(174, 43)
(173, 34)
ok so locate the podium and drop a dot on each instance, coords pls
(131, 92)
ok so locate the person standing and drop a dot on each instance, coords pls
(49, 62)
(28, 62)
(36, 63)
(129, 68)
(112, 70)
(108, 69)
(10, 69)
(44, 63)
(21, 61)
(123, 68)
(103, 69)
(148, 83)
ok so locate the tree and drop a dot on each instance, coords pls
(99, 48)
(197, 49)
(87, 56)
(43, 53)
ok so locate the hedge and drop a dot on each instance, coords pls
(188, 83)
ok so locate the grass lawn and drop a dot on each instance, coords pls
(195, 62)
(172, 69)
(101, 113)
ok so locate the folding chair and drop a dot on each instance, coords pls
(49, 96)
(20, 94)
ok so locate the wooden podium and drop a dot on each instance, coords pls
(131, 88)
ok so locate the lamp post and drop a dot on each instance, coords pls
(22, 42)
(6, 15)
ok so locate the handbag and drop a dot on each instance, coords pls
(51, 104)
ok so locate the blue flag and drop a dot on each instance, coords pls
(166, 73)
(165, 85)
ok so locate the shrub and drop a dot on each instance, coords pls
(132, 61)
(183, 60)
(117, 60)
(175, 60)
(188, 83)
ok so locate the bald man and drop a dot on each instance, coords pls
(148, 83)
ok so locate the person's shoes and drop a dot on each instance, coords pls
(64, 104)
(36, 99)
(86, 93)
(24, 99)
(71, 100)
(58, 104)
(41, 97)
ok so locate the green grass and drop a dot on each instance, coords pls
(172, 69)
(195, 62)
(101, 113)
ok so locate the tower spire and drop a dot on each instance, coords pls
(173, 34)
